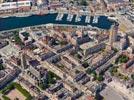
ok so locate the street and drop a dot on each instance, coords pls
(110, 94)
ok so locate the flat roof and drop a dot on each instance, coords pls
(114, 1)
(14, 5)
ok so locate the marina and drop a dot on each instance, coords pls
(66, 49)
(10, 23)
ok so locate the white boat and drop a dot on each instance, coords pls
(70, 17)
(4, 16)
(112, 18)
(95, 19)
(59, 17)
(78, 18)
(87, 20)
(22, 15)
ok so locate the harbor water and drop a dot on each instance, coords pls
(10, 23)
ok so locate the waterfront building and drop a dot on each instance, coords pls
(13, 6)
(112, 4)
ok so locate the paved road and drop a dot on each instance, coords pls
(110, 94)
(1, 96)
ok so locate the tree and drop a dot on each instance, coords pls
(132, 76)
(77, 71)
(5, 97)
(83, 3)
(63, 42)
(100, 78)
(123, 59)
(94, 74)
(43, 86)
(98, 97)
(88, 71)
(79, 56)
(85, 64)
(17, 38)
(116, 50)
(126, 78)
(1, 67)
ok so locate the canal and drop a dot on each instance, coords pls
(10, 23)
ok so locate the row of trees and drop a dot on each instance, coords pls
(51, 79)
(96, 77)
(1, 67)
(122, 59)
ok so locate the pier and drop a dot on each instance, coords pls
(87, 20)
(59, 16)
(70, 17)
(78, 18)
(95, 19)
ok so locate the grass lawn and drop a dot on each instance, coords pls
(13, 94)
(13, 88)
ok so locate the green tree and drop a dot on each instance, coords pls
(43, 86)
(5, 97)
(94, 75)
(100, 78)
(88, 71)
(132, 76)
(85, 64)
(17, 38)
(79, 56)
(84, 3)
(1, 67)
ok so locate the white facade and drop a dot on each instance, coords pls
(14, 5)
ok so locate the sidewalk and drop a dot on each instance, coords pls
(118, 87)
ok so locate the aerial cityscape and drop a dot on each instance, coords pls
(66, 49)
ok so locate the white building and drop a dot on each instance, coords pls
(15, 5)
